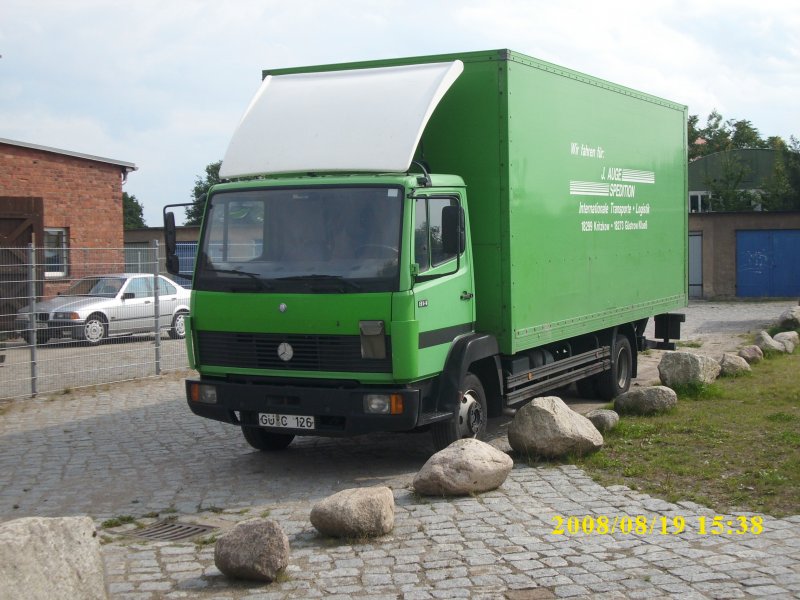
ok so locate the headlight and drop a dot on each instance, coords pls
(70, 316)
(383, 404)
(206, 394)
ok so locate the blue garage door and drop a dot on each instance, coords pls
(768, 263)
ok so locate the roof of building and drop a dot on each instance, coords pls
(127, 166)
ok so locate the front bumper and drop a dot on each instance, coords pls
(337, 411)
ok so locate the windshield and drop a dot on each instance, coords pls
(106, 287)
(326, 240)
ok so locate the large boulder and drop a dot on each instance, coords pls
(646, 401)
(789, 339)
(767, 343)
(256, 549)
(547, 427)
(732, 365)
(355, 513)
(752, 354)
(790, 318)
(466, 466)
(51, 558)
(685, 368)
(603, 419)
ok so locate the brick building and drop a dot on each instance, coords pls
(64, 202)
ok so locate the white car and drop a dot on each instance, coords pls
(102, 306)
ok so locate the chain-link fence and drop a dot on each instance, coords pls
(75, 317)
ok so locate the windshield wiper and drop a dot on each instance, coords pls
(335, 279)
(254, 276)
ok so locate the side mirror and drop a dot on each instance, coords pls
(128, 296)
(173, 264)
(454, 234)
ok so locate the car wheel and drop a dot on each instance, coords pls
(95, 329)
(178, 329)
(469, 420)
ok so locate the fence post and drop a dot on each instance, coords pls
(32, 323)
(156, 307)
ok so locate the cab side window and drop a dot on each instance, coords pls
(428, 245)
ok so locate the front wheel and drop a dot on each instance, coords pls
(469, 420)
(95, 329)
(617, 379)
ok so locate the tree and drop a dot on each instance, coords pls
(782, 190)
(194, 214)
(132, 212)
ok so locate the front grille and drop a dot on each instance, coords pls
(42, 317)
(310, 352)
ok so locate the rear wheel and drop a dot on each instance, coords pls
(178, 329)
(617, 380)
(469, 421)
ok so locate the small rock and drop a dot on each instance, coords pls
(682, 368)
(603, 419)
(732, 365)
(767, 343)
(790, 318)
(646, 401)
(789, 339)
(547, 427)
(48, 558)
(355, 513)
(752, 354)
(465, 467)
(256, 549)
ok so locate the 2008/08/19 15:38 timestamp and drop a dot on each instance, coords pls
(659, 525)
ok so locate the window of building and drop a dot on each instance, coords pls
(55, 252)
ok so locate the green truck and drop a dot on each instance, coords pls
(421, 243)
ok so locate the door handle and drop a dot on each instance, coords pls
(467, 295)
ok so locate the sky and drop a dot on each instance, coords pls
(163, 84)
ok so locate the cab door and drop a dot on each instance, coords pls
(444, 287)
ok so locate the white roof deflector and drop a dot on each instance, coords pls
(360, 120)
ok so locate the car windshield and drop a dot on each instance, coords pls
(106, 287)
(325, 240)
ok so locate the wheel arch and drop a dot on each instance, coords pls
(477, 353)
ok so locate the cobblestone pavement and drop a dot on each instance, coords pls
(134, 449)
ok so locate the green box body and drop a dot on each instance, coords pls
(576, 191)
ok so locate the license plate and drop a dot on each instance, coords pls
(285, 421)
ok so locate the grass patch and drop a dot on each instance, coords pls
(117, 521)
(209, 540)
(733, 445)
(690, 344)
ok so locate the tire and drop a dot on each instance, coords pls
(95, 329)
(470, 419)
(266, 441)
(177, 330)
(617, 380)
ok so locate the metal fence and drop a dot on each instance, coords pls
(76, 317)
